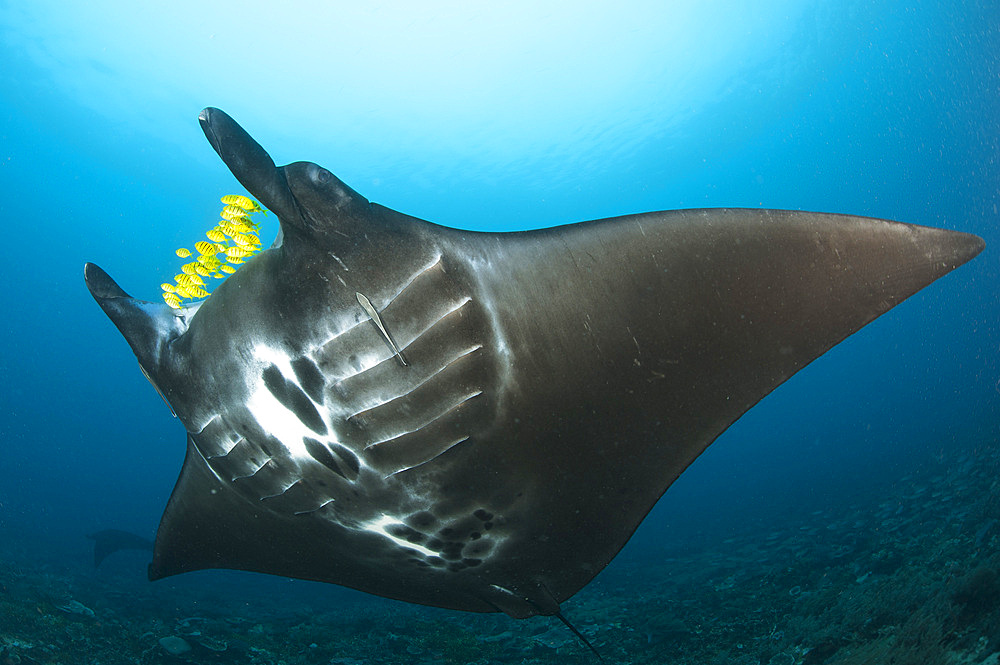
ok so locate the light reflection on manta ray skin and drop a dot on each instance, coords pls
(555, 382)
(306, 389)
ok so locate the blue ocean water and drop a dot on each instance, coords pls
(494, 117)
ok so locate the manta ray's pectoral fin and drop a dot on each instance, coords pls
(679, 322)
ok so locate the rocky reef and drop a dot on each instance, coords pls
(911, 577)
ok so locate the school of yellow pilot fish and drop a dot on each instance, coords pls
(233, 240)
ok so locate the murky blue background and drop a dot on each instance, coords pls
(493, 116)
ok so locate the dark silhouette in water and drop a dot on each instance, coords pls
(555, 382)
(109, 541)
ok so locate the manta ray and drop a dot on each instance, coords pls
(109, 541)
(480, 421)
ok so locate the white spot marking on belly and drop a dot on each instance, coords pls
(380, 525)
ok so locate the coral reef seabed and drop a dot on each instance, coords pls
(911, 577)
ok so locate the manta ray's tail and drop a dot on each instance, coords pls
(579, 635)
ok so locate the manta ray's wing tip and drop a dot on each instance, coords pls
(207, 114)
(924, 253)
(974, 245)
(100, 283)
(963, 246)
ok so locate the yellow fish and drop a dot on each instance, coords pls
(185, 279)
(236, 227)
(238, 252)
(244, 202)
(233, 213)
(226, 227)
(205, 247)
(183, 292)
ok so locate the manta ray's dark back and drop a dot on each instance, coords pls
(480, 421)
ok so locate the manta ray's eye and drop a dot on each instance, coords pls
(322, 176)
